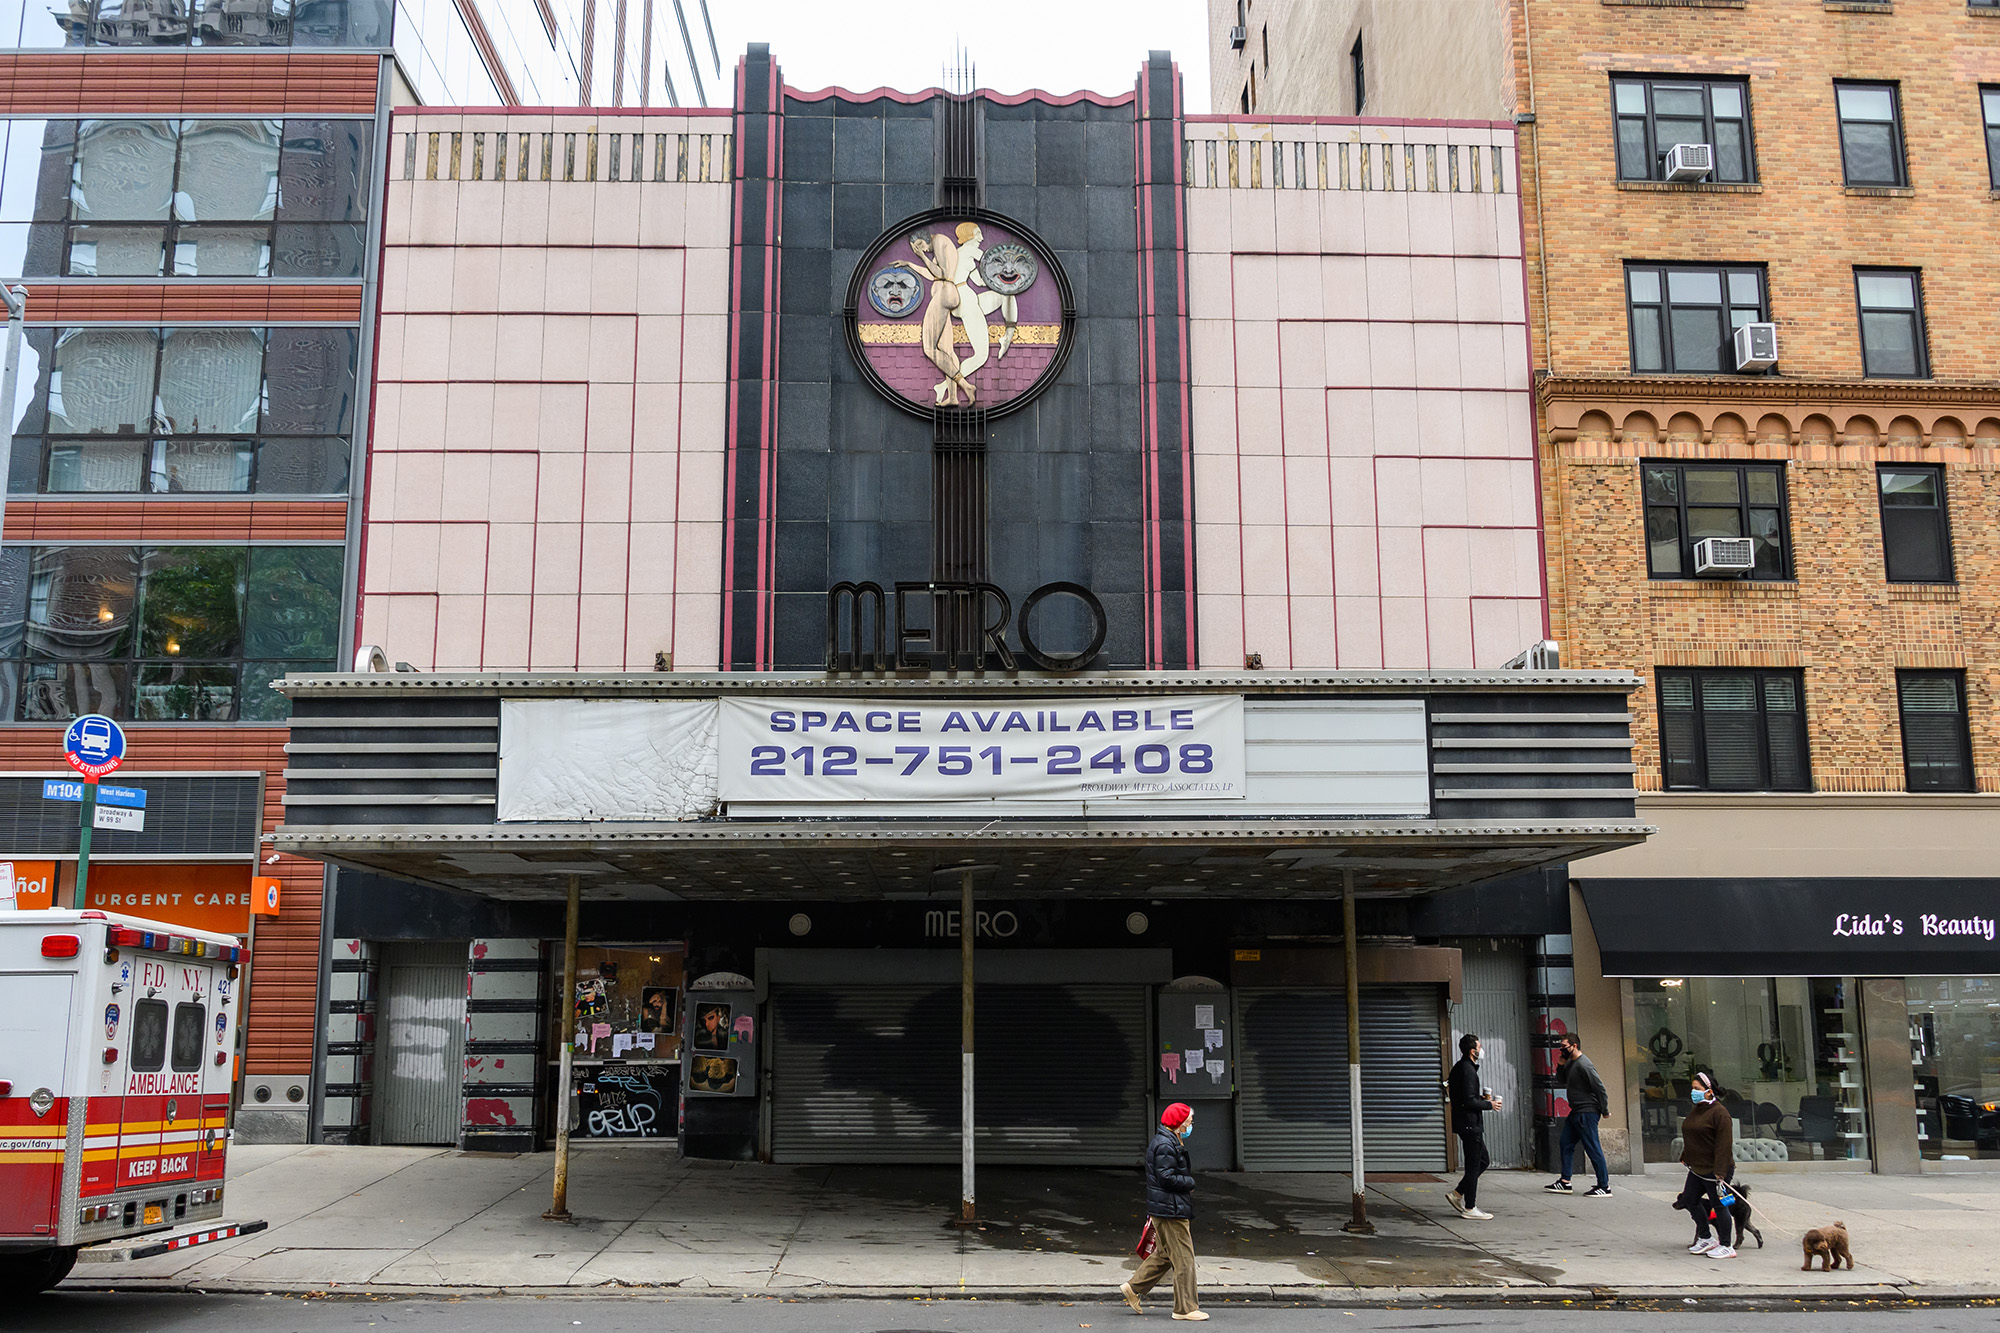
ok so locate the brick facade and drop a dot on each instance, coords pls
(1838, 619)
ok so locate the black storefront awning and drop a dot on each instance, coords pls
(1795, 927)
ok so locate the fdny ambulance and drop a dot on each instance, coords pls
(117, 1049)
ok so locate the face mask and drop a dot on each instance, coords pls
(1187, 1128)
(1697, 1096)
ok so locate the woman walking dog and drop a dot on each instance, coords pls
(1708, 1151)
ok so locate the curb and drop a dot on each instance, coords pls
(1317, 1296)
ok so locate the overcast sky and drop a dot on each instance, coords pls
(1059, 46)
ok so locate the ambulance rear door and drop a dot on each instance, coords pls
(143, 1102)
(193, 988)
(34, 1062)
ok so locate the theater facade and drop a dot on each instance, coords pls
(810, 534)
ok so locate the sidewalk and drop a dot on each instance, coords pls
(410, 1219)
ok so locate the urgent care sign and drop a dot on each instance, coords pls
(213, 898)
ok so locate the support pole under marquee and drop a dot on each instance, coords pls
(1358, 1223)
(559, 1208)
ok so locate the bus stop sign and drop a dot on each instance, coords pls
(94, 745)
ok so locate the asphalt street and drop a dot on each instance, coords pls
(631, 1312)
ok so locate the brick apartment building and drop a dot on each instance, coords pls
(1818, 735)
(192, 199)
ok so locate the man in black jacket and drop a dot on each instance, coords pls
(1170, 1203)
(1469, 1104)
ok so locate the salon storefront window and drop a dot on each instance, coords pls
(625, 1082)
(1784, 1052)
(1955, 1054)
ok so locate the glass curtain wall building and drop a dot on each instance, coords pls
(449, 52)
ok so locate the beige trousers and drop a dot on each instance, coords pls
(1175, 1251)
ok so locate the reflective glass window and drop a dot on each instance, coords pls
(1955, 1052)
(298, 466)
(325, 174)
(102, 381)
(203, 467)
(191, 602)
(106, 466)
(139, 23)
(164, 633)
(309, 376)
(80, 601)
(124, 170)
(211, 380)
(1783, 1053)
(243, 22)
(293, 603)
(228, 170)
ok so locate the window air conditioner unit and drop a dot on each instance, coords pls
(1238, 38)
(1689, 161)
(1757, 347)
(1725, 556)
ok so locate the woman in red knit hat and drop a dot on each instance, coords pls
(1170, 1203)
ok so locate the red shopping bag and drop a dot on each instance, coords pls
(1149, 1241)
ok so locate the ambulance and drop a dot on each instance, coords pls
(117, 1050)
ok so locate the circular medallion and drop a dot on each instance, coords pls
(894, 292)
(995, 318)
(1009, 269)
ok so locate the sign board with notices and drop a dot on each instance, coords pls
(719, 1055)
(1197, 1050)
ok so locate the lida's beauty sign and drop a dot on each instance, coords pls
(1864, 925)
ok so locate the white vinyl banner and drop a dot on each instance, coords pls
(834, 750)
(588, 759)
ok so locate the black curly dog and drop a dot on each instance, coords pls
(1739, 1213)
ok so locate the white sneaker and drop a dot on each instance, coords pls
(1702, 1246)
(1457, 1202)
(1722, 1252)
(1479, 1214)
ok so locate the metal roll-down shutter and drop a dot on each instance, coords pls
(871, 1074)
(1291, 1077)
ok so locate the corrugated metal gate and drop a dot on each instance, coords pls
(420, 1056)
(1291, 1079)
(1496, 1007)
(871, 1074)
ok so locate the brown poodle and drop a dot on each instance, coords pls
(1830, 1244)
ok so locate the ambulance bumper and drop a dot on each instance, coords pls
(147, 1247)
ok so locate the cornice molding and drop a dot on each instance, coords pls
(1961, 416)
(1767, 389)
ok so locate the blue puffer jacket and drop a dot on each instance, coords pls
(1169, 1178)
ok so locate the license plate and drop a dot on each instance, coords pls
(155, 1212)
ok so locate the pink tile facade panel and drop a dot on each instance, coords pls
(534, 373)
(1398, 367)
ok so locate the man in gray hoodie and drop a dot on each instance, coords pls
(1588, 1101)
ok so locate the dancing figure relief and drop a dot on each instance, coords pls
(951, 264)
